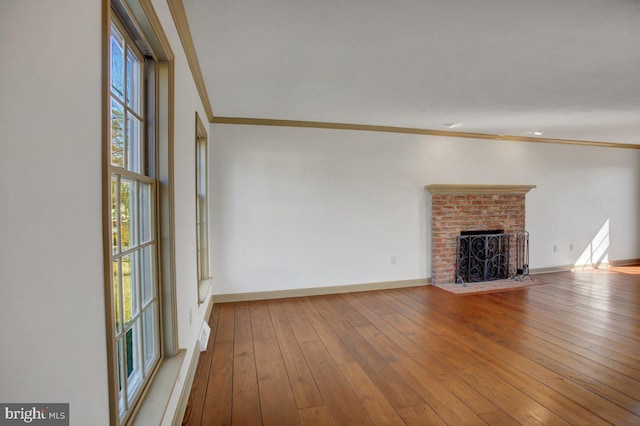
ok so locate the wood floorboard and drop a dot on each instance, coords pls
(578, 346)
(442, 383)
(495, 353)
(594, 343)
(316, 416)
(596, 376)
(381, 372)
(583, 323)
(564, 352)
(463, 361)
(606, 404)
(303, 384)
(563, 332)
(245, 407)
(418, 383)
(277, 401)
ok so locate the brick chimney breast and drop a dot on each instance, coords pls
(456, 208)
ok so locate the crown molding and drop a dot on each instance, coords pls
(411, 130)
(182, 26)
(458, 189)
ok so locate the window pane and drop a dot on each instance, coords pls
(119, 363)
(202, 248)
(118, 357)
(145, 213)
(133, 143)
(127, 288)
(117, 134)
(133, 81)
(135, 283)
(146, 274)
(201, 166)
(202, 237)
(199, 243)
(128, 202)
(134, 374)
(149, 332)
(131, 339)
(114, 214)
(116, 295)
(117, 63)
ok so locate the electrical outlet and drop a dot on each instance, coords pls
(394, 260)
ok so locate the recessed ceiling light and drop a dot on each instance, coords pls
(450, 125)
(537, 133)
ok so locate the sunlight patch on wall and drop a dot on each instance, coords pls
(597, 251)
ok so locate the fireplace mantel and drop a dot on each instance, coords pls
(478, 189)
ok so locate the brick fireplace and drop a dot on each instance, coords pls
(457, 208)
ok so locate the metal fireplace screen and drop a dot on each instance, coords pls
(482, 257)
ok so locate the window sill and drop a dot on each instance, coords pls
(153, 406)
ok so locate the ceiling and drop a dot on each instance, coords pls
(567, 68)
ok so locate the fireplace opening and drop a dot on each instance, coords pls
(482, 255)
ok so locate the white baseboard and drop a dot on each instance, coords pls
(625, 262)
(317, 291)
(564, 268)
(549, 269)
(191, 373)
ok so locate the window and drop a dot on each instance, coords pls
(202, 210)
(138, 200)
(135, 306)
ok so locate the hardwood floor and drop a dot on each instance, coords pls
(566, 352)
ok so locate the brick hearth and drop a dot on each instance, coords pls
(457, 208)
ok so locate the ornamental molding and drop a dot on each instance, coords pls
(462, 189)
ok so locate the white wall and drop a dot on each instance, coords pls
(190, 314)
(295, 208)
(52, 323)
(187, 103)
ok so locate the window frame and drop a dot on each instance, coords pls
(134, 367)
(203, 262)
